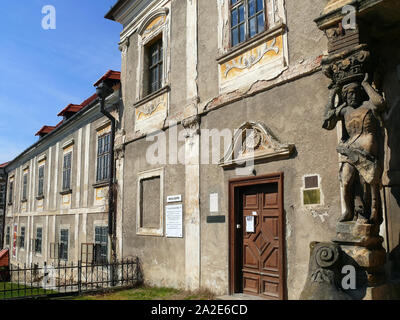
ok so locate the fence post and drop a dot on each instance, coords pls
(79, 276)
(137, 270)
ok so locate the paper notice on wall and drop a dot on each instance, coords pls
(173, 221)
(213, 202)
(250, 224)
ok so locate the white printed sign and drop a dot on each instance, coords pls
(214, 202)
(177, 198)
(173, 221)
(250, 224)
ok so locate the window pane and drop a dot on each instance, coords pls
(234, 17)
(252, 27)
(241, 13)
(260, 20)
(252, 8)
(234, 37)
(260, 5)
(242, 34)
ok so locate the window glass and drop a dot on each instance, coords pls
(63, 251)
(38, 241)
(67, 171)
(103, 158)
(41, 179)
(155, 66)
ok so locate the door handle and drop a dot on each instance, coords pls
(238, 226)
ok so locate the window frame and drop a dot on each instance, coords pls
(22, 238)
(143, 231)
(41, 181)
(103, 258)
(24, 196)
(10, 192)
(37, 238)
(101, 157)
(61, 243)
(246, 21)
(8, 235)
(3, 191)
(158, 65)
(64, 170)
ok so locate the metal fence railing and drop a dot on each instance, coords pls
(63, 278)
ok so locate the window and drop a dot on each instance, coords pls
(103, 158)
(63, 251)
(25, 187)
(66, 182)
(8, 236)
(247, 19)
(155, 60)
(10, 192)
(41, 180)
(2, 193)
(101, 241)
(22, 238)
(38, 240)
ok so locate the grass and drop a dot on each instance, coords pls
(150, 293)
(20, 291)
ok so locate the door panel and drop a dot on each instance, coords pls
(261, 248)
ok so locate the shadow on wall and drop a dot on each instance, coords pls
(394, 258)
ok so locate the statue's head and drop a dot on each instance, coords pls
(353, 95)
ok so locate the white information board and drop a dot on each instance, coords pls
(173, 221)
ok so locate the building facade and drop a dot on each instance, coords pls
(227, 173)
(223, 174)
(57, 190)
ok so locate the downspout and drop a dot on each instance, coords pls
(5, 204)
(103, 91)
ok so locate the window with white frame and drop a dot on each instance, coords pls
(38, 240)
(247, 19)
(10, 192)
(103, 157)
(66, 181)
(41, 181)
(24, 187)
(101, 244)
(153, 35)
(22, 238)
(63, 250)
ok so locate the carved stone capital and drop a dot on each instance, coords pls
(192, 126)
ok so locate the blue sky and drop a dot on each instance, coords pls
(42, 71)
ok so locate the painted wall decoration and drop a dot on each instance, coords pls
(151, 115)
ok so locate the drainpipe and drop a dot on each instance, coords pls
(103, 91)
(5, 204)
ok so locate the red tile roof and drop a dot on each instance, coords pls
(4, 164)
(89, 100)
(70, 108)
(4, 258)
(110, 74)
(45, 130)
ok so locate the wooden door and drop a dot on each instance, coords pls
(261, 211)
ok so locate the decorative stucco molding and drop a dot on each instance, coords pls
(253, 141)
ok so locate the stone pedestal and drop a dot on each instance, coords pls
(362, 248)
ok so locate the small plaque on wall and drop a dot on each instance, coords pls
(176, 198)
(216, 219)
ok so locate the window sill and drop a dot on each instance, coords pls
(10, 204)
(101, 184)
(65, 192)
(24, 200)
(256, 40)
(151, 96)
(40, 197)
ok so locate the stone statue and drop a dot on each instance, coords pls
(358, 106)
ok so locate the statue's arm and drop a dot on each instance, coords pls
(331, 115)
(377, 100)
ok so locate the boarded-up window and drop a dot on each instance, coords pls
(150, 203)
(311, 191)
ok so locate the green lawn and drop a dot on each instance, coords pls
(20, 290)
(149, 293)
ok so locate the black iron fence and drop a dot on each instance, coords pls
(65, 279)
